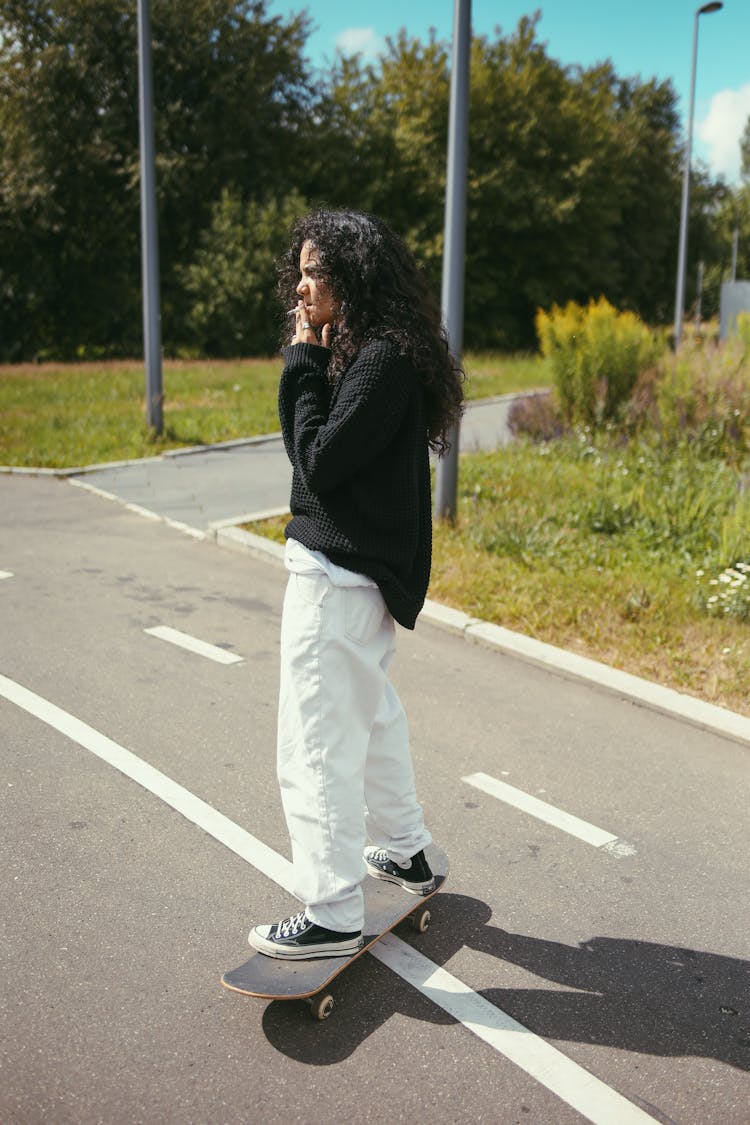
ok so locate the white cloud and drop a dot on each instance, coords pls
(360, 41)
(721, 130)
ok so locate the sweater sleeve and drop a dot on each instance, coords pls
(331, 442)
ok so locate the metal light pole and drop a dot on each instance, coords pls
(679, 301)
(452, 298)
(149, 237)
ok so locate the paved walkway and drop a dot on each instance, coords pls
(226, 483)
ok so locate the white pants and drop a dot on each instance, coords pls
(343, 744)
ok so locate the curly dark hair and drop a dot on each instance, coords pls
(382, 293)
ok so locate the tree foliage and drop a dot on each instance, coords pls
(230, 101)
(745, 151)
(573, 185)
(231, 281)
(573, 189)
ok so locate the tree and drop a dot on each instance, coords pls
(67, 90)
(647, 181)
(573, 176)
(745, 151)
(382, 138)
(231, 281)
(231, 109)
(731, 212)
(573, 193)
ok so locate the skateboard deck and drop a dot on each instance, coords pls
(386, 904)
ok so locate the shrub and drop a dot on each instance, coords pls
(700, 395)
(536, 416)
(596, 354)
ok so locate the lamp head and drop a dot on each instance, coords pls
(714, 6)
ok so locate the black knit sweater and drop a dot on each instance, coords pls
(361, 480)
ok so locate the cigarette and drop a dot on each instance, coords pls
(291, 312)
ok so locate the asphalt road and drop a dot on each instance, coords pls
(625, 967)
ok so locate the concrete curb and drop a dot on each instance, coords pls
(514, 396)
(644, 693)
(238, 540)
(667, 701)
(177, 525)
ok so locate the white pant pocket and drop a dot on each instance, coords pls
(311, 588)
(363, 613)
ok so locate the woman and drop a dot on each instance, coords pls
(368, 385)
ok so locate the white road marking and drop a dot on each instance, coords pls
(192, 808)
(192, 644)
(6, 574)
(550, 1067)
(573, 1084)
(566, 822)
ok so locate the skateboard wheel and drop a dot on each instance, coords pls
(321, 1006)
(421, 921)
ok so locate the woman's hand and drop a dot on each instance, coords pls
(304, 333)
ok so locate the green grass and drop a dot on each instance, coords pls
(595, 549)
(59, 416)
(489, 374)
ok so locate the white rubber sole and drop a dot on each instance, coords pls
(303, 952)
(420, 889)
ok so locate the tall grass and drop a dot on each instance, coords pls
(595, 546)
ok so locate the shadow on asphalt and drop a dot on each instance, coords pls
(632, 995)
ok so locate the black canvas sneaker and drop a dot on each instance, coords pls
(298, 937)
(414, 875)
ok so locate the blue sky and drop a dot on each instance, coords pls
(642, 37)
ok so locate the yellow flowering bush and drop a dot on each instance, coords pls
(596, 354)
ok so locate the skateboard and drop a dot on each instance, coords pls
(386, 904)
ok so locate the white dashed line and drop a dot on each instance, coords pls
(6, 574)
(566, 822)
(192, 644)
(573, 1084)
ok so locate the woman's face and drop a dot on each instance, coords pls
(320, 307)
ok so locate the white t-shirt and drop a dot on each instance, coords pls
(300, 560)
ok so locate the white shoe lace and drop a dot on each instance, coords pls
(290, 927)
(380, 855)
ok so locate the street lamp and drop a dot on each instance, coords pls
(679, 300)
(452, 299)
(149, 243)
